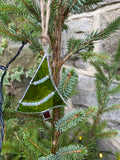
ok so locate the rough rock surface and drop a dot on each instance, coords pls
(97, 19)
(87, 97)
(109, 2)
(26, 58)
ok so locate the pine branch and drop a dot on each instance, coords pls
(72, 151)
(68, 83)
(50, 157)
(101, 132)
(115, 90)
(114, 107)
(12, 9)
(70, 121)
(103, 98)
(104, 65)
(78, 6)
(117, 77)
(12, 114)
(10, 148)
(30, 19)
(89, 54)
(34, 42)
(100, 75)
(22, 13)
(117, 55)
(90, 111)
(31, 127)
(94, 36)
(4, 19)
(107, 134)
(40, 149)
(12, 35)
(32, 10)
(32, 22)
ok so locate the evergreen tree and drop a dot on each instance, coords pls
(38, 139)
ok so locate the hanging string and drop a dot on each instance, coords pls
(47, 16)
(42, 16)
(45, 7)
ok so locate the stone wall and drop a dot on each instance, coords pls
(26, 59)
(79, 26)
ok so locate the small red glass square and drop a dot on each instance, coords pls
(46, 115)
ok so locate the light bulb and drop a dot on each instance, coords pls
(80, 138)
(100, 155)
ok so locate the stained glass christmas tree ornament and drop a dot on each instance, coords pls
(42, 93)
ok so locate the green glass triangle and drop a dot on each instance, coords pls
(41, 94)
